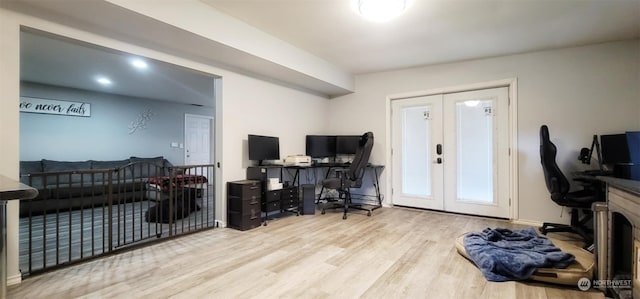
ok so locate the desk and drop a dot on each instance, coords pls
(590, 180)
(375, 178)
(9, 190)
(260, 173)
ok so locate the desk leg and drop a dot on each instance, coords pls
(295, 177)
(377, 187)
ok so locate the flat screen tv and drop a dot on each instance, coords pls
(263, 148)
(347, 145)
(321, 146)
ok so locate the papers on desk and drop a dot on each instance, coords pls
(297, 160)
(274, 184)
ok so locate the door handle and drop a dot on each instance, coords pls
(439, 149)
(438, 161)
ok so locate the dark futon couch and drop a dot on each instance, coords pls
(65, 186)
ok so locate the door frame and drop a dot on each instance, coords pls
(512, 84)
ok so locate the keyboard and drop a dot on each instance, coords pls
(332, 164)
(597, 172)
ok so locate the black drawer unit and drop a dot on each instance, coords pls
(289, 198)
(273, 195)
(244, 204)
(271, 206)
(274, 201)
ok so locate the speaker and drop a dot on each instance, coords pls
(308, 199)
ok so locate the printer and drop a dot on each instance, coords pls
(297, 160)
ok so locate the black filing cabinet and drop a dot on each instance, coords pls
(243, 204)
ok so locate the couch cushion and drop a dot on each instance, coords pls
(75, 190)
(55, 166)
(115, 164)
(63, 166)
(29, 167)
(147, 167)
(95, 164)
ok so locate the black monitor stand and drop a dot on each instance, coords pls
(586, 154)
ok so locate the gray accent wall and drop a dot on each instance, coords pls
(105, 135)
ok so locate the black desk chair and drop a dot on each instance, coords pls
(558, 186)
(352, 177)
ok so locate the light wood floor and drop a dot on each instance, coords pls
(88, 231)
(396, 253)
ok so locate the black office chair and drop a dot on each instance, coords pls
(352, 177)
(558, 185)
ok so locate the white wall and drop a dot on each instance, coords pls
(248, 106)
(9, 121)
(264, 109)
(577, 92)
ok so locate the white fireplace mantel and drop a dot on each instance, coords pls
(623, 197)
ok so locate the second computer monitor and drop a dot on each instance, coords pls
(347, 145)
(614, 149)
(321, 146)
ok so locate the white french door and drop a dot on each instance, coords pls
(451, 152)
(417, 129)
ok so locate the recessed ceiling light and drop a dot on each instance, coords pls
(381, 10)
(104, 81)
(139, 63)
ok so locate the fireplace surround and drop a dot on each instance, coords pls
(619, 259)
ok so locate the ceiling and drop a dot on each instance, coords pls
(436, 31)
(54, 60)
(429, 32)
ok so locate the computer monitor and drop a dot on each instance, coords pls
(347, 145)
(321, 146)
(263, 148)
(614, 149)
(633, 141)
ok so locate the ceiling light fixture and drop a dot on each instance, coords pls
(139, 63)
(104, 81)
(381, 10)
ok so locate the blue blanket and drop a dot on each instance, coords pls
(503, 254)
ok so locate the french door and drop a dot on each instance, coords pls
(451, 152)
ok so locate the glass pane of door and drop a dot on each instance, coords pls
(475, 152)
(416, 171)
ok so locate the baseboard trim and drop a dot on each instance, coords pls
(527, 222)
(15, 279)
(220, 223)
